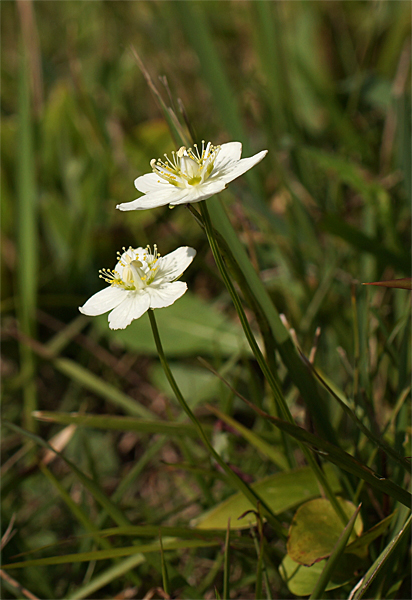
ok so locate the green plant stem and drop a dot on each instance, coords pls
(272, 380)
(236, 481)
(270, 377)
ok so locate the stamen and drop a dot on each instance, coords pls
(187, 166)
(110, 276)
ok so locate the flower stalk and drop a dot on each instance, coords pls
(237, 481)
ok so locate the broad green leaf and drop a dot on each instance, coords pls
(281, 492)
(196, 385)
(315, 530)
(189, 327)
(336, 554)
(301, 580)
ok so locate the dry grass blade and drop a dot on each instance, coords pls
(179, 133)
(156, 590)
(58, 443)
(405, 283)
(17, 587)
(8, 534)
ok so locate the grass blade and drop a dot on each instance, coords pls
(116, 514)
(78, 513)
(226, 567)
(93, 383)
(119, 423)
(369, 434)
(104, 578)
(251, 284)
(111, 553)
(405, 283)
(263, 447)
(233, 477)
(27, 239)
(362, 586)
(268, 44)
(165, 577)
(340, 458)
(364, 243)
(194, 21)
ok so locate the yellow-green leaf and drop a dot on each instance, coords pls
(316, 528)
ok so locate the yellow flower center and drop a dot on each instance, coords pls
(136, 274)
(188, 166)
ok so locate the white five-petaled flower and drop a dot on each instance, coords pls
(141, 279)
(191, 175)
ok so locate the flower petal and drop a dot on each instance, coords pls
(233, 171)
(171, 266)
(103, 301)
(164, 295)
(200, 192)
(133, 306)
(154, 199)
(150, 182)
(228, 154)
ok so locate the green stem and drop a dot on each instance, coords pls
(236, 481)
(270, 377)
(272, 380)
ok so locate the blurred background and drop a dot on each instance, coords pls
(325, 87)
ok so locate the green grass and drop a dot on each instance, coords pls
(325, 87)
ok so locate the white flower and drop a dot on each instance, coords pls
(191, 175)
(141, 279)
